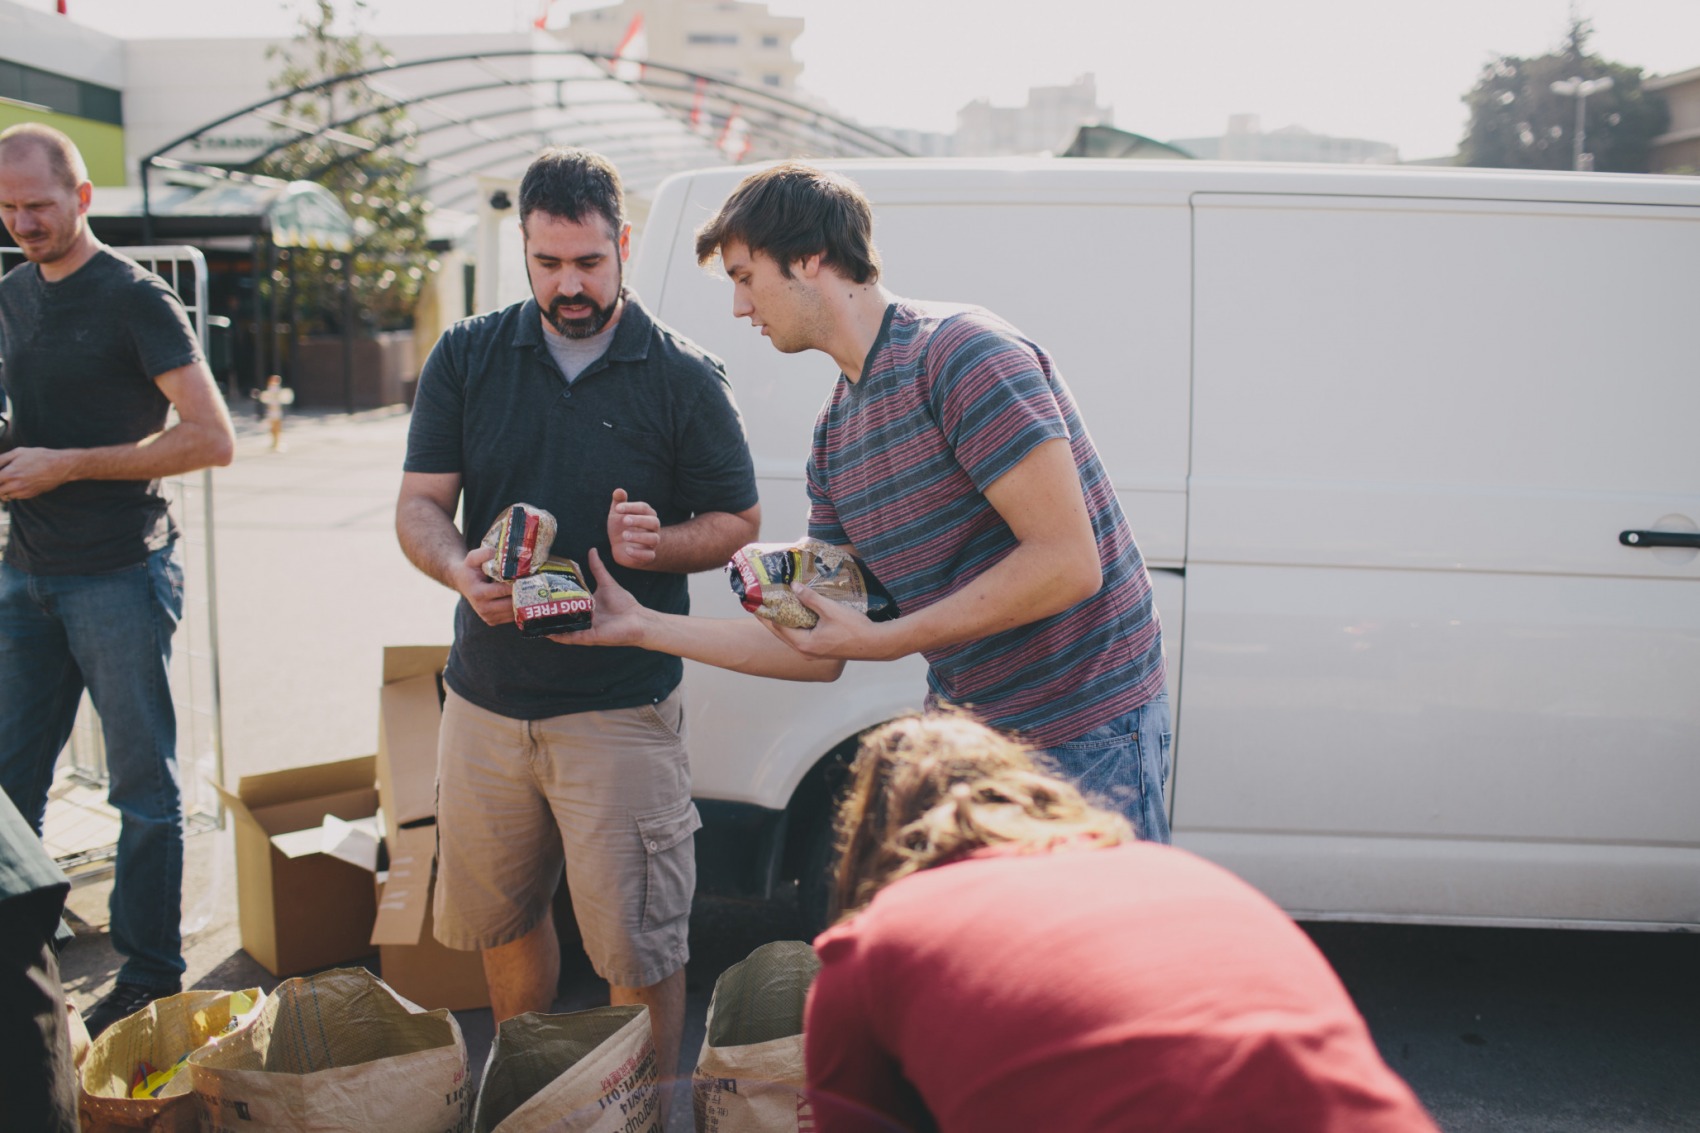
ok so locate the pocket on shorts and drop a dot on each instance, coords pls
(666, 717)
(670, 863)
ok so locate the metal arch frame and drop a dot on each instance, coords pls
(794, 127)
(793, 131)
(612, 151)
(431, 161)
(468, 123)
(402, 104)
(768, 103)
(632, 170)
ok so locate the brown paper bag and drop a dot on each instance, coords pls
(749, 1077)
(585, 1072)
(160, 1034)
(336, 1051)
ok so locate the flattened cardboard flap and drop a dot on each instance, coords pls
(403, 661)
(257, 791)
(407, 894)
(409, 716)
(234, 804)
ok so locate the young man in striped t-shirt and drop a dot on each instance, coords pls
(952, 459)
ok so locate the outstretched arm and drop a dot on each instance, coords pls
(1054, 566)
(743, 645)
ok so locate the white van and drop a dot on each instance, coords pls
(1414, 458)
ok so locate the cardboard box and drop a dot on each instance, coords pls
(309, 911)
(409, 712)
(409, 957)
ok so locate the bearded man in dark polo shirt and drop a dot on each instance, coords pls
(578, 402)
(96, 350)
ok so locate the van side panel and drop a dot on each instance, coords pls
(1103, 288)
(1424, 677)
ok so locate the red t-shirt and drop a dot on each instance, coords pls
(1131, 988)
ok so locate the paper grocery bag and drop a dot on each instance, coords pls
(585, 1072)
(749, 1077)
(336, 1051)
(157, 1037)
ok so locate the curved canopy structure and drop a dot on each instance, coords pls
(486, 114)
(290, 214)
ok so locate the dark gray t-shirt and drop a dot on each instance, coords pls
(80, 356)
(654, 415)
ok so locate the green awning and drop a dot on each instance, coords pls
(294, 214)
(1107, 141)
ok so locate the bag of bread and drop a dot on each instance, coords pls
(554, 600)
(761, 575)
(521, 538)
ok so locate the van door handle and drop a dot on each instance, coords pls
(1659, 539)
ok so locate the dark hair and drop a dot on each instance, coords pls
(572, 183)
(793, 211)
(62, 155)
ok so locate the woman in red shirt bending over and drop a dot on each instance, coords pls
(1010, 958)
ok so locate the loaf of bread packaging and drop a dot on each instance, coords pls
(761, 575)
(553, 599)
(521, 538)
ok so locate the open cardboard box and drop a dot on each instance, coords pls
(409, 957)
(307, 911)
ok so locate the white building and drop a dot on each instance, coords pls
(1046, 124)
(1247, 141)
(725, 39)
(919, 143)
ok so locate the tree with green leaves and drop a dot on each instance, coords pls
(1517, 121)
(363, 157)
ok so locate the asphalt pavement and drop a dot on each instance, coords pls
(1496, 1029)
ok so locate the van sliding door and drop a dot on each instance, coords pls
(1425, 679)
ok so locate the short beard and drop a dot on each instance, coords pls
(592, 324)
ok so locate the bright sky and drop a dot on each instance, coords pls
(1388, 70)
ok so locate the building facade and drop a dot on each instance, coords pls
(1045, 124)
(69, 77)
(1677, 150)
(726, 39)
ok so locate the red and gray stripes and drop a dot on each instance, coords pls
(953, 398)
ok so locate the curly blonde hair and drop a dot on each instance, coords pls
(929, 790)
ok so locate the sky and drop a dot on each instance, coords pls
(1387, 70)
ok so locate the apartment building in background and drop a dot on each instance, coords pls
(1677, 150)
(1046, 123)
(733, 40)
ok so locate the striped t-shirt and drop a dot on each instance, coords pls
(950, 399)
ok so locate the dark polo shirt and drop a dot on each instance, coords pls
(654, 415)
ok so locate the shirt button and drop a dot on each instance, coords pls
(654, 846)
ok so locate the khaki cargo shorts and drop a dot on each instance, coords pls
(607, 794)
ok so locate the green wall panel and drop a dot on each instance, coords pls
(102, 145)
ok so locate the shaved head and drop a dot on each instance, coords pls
(61, 152)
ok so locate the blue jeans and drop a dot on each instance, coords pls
(1125, 764)
(110, 633)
